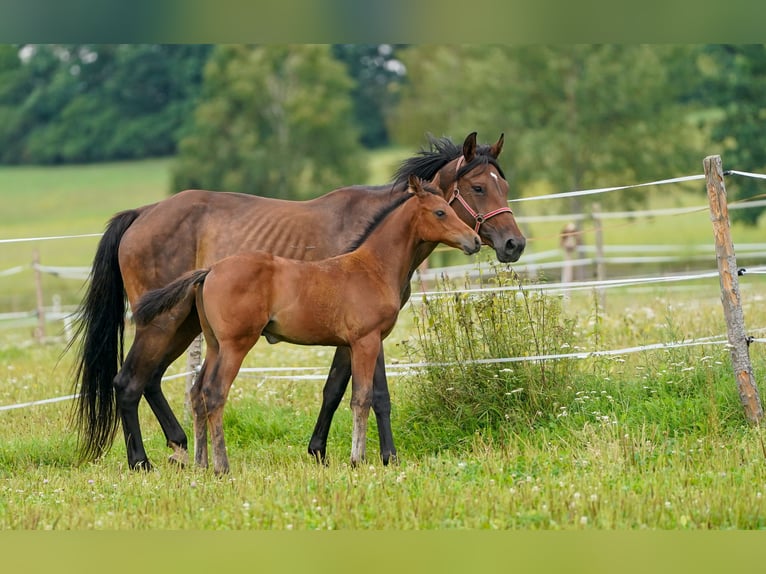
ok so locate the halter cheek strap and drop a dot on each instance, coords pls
(478, 218)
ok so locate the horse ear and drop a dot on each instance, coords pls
(414, 184)
(469, 147)
(495, 150)
(436, 181)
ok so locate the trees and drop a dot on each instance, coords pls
(575, 116)
(81, 103)
(737, 78)
(378, 75)
(274, 121)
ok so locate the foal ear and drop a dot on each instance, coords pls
(495, 150)
(414, 184)
(469, 147)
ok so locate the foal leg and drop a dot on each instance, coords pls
(332, 394)
(215, 390)
(363, 357)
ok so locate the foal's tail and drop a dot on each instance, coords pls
(166, 298)
(100, 343)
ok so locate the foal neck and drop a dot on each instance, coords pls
(391, 246)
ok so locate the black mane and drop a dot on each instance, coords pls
(442, 151)
(376, 220)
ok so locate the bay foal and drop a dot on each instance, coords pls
(349, 300)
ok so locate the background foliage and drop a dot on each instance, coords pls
(288, 120)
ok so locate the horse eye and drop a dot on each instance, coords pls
(439, 213)
(478, 189)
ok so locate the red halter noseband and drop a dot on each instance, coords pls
(477, 217)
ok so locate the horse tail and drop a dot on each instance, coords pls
(100, 331)
(161, 300)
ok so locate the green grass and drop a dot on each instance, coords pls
(653, 440)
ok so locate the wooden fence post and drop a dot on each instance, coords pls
(193, 363)
(568, 241)
(599, 257)
(40, 329)
(730, 298)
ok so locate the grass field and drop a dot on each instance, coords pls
(649, 440)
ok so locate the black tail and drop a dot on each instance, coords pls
(159, 301)
(100, 331)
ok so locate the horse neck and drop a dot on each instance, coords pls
(393, 244)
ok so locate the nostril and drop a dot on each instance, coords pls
(512, 245)
(477, 242)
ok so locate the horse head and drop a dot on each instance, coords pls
(477, 189)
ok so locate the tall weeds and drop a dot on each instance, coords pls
(468, 387)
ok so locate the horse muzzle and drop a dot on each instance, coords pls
(471, 246)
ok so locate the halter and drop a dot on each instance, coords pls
(476, 216)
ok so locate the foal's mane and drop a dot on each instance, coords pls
(400, 198)
(442, 151)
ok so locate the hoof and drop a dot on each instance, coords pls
(144, 465)
(320, 456)
(180, 457)
(391, 459)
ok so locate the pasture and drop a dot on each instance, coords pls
(648, 440)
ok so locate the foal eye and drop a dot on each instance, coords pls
(439, 213)
(478, 189)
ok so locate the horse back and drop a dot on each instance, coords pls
(196, 228)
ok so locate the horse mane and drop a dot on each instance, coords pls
(383, 213)
(442, 151)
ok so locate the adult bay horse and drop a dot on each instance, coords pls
(148, 247)
(348, 300)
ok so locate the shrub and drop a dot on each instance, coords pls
(477, 379)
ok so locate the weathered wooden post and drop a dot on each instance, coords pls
(730, 298)
(599, 257)
(568, 240)
(193, 363)
(40, 329)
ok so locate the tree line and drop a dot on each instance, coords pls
(294, 120)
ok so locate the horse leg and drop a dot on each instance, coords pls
(128, 388)
(175, 436)
(150, 355)
(364, 353)
(381, 406)
(332, 394)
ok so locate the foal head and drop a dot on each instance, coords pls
(436, 222)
